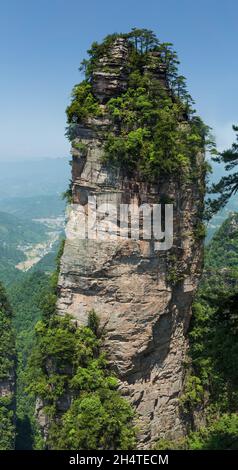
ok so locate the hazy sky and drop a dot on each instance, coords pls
(42, 43)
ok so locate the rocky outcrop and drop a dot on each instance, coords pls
(142, 296)
(7, 386)
(110, 77)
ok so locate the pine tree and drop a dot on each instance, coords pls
(228, 185)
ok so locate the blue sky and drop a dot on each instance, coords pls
(43, 42)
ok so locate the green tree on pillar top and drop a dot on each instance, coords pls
(228, 185)
(144, 39)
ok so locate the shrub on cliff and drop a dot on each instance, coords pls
(83, 103)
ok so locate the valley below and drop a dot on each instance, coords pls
(36, 252)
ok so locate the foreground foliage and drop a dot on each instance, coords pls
(67, 366)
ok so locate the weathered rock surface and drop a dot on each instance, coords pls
(7, 386)
(143, 297)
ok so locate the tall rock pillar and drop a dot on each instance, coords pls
(142, 296)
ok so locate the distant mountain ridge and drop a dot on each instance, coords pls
(34, 207)
(34, 177)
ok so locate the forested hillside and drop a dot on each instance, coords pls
(7, 375)
(27, 296)
(214, 341)
(209, 401)
(31, 214)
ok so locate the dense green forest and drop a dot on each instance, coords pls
(213, 340)
(26, 296)
(7, 375)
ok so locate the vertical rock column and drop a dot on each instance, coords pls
(143, 297)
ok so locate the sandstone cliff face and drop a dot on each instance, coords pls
(143, 297)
